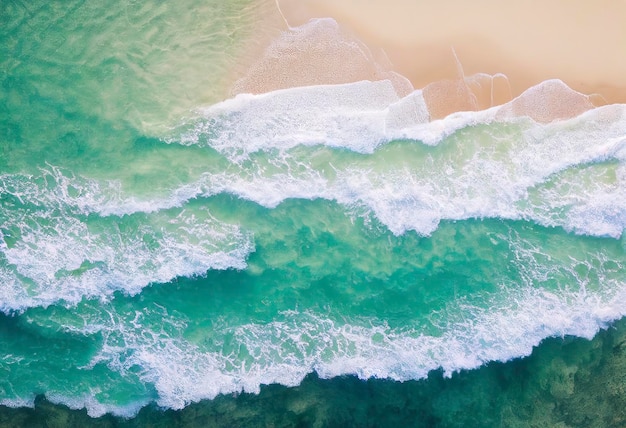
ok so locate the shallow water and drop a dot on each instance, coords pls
(163, 249)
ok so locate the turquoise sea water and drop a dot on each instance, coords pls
(314, 256)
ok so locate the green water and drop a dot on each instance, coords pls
(316, 256)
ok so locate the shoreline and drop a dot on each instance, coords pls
(580, 43)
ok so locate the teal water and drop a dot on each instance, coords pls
(321, 255)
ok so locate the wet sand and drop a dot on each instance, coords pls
(284, 55)
(580, 42)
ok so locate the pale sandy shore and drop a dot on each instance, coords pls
(466, 55)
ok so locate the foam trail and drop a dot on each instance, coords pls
(53, 249)
(287, 349)
(519, 170)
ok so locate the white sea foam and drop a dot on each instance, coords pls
(490, 173)
(53, 252)
(18, 402)
(352, 116)
(297, 343)
(94, 407)
(57, 188)
(533, 177)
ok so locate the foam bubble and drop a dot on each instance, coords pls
(18, 402)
